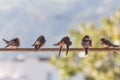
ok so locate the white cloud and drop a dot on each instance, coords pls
(64, 1)
(100, 9)
(9, 4)
(108, 1)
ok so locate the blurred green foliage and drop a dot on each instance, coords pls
(96, 66)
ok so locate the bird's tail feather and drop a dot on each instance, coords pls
(5, 41)
(32, 45)
(56, 44)
(67, 50)
(60, 51)
(86, 51)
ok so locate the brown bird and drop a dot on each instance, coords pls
(39, 42)
(86, 43)
(65, 41)
(106, 43)
(12, 44)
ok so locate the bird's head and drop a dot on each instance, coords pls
(86, 36)
(102, 39)
(17, 39)
(67, 38)
(41, 37)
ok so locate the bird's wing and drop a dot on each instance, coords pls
(108, 43)
(82, 43)
(67, 46)
(90, 42)
(12, 42)
(70, 43)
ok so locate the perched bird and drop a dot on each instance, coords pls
(39, 42)
(65, 41)
(12, 44)
(86, 43)
(107, 44)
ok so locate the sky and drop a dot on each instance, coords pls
(28, 19)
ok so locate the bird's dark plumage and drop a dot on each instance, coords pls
(107, 43)
(39, 42)
(64, 41)
(86, 43)
(12, 44)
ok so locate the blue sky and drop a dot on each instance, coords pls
(27, 19)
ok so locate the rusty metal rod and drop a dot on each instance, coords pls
(57, 49)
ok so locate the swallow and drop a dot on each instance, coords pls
(12, 44)
(106, 43)
(86, 43)
(39, 42)
(65, 41)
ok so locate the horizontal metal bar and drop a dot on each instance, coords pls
(57, 49)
